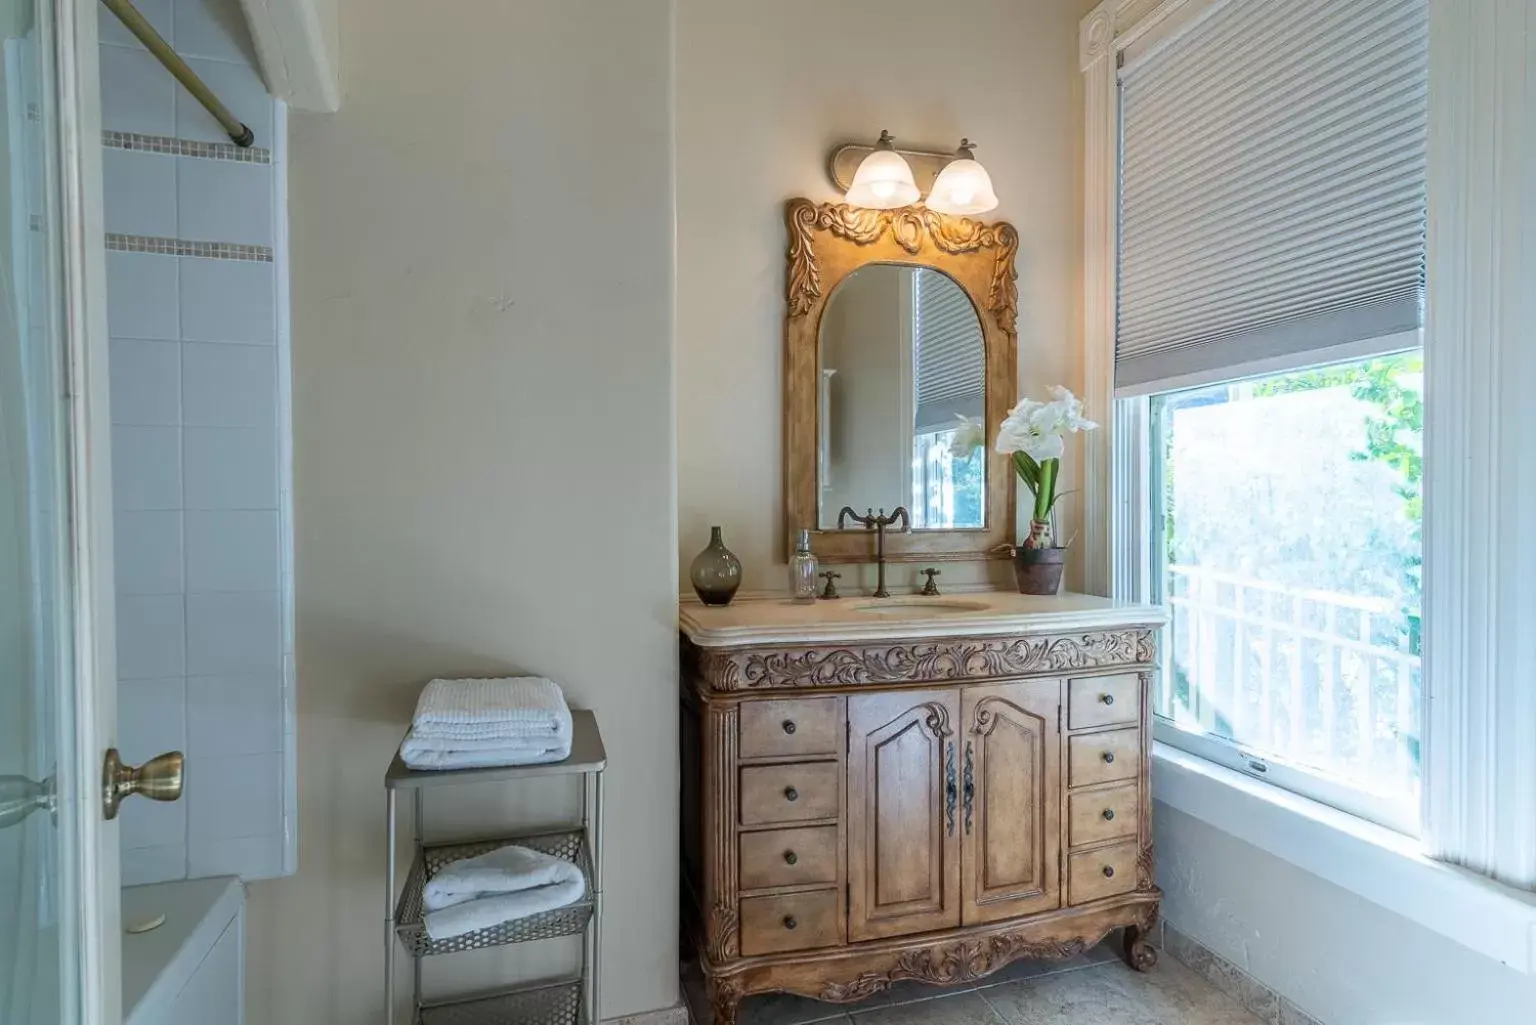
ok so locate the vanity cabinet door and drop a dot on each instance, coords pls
(1011, 800)
(903, 814)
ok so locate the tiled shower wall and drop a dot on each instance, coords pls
(196, 281)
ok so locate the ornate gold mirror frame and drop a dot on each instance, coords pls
(827, 243)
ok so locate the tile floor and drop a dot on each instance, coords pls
(1095, 988)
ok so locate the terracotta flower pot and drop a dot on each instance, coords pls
(1039, 570)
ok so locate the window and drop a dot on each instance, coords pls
(1269, 285)
(1287, 547)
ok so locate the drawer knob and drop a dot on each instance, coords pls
(789, 726)
(789, 922)
(791, 794)
(1109, 873)
(1109, 814)
(1109, 757)
(791, 858)
(1108, 699)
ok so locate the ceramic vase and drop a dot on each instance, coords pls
(1039, 570)
(716, 572)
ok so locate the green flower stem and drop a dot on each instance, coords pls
(1045, 491)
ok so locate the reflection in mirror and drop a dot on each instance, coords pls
(903, 396)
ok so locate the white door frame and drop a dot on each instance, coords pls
(95, 863)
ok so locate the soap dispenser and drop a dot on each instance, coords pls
(802, 572)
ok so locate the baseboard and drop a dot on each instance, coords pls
(674, 1015)
(1261, 1001)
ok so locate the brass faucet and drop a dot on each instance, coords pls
(877, 524)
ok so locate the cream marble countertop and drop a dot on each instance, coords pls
(857, 618)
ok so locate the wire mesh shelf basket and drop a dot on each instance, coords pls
(432, 858)
(558, 1004)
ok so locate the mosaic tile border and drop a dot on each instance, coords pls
(1262, 1002)
(186, 147)
(181, 247)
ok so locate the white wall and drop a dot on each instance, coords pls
(764, 92)
(199, 355)
(484, 457)
(1336, 955)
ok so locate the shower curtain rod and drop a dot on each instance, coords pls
(137, 24)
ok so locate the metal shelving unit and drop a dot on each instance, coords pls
(564, 1002)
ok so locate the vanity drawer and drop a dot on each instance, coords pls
(789, 793)
(1097, 815)
(1108, 871)
(1103, 700)
(812, 726)
(794, 921)
(789, 857)
(1103, 757)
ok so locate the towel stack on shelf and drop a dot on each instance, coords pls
(463, 724)
(500, 886)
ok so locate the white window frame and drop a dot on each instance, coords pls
(1479, 806)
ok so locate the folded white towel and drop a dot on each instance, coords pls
(522, 706)
(496, 887)
(430, 753)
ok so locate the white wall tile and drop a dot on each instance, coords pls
(140, 192)
(142, 294)
(151, 637)
(230, 468)
(223, 201)
(158, 12)
(146, 467)
(213, 28)
(229, 385)
(242, 91)
(228, 300)
(234, 715)
(154, 864)
(233, 797)
(233, 633)
(137, 93)
(250, 857)
(233, 550)
(147, 548)
(146, 382)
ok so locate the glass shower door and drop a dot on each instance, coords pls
(39, 955)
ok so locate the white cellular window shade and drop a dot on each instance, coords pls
(950, 356)
(1272, 189)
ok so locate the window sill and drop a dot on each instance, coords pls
(1380, 865)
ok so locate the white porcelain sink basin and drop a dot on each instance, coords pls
(918, 606)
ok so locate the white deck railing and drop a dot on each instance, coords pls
(1322, 678)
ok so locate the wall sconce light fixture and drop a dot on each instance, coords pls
(883, 177)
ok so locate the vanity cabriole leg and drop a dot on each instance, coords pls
(1139, 952)
(724, 998)
(389, 908)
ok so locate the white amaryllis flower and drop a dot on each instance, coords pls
(1037, 428)
(970, 434)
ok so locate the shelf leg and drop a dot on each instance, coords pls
(418, 825)
(595, 834)
(389, 909)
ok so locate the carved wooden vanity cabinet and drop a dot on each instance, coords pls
(929, 794)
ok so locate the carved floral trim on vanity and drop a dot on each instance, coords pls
(969, 658)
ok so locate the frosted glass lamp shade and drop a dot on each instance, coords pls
(964, 186)
(883, 180)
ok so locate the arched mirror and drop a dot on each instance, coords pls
(900, 364)
(903, 368)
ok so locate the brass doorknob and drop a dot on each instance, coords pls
(158, 779)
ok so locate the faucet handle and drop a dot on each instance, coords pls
(830, 591)
(930, 589)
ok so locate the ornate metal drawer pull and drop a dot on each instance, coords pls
(1108, 699)
(789, 726)
(970, 787)
(790, 857)
(1109, 872)
(791, 794)
(951, 790)
(1109, 814)
(1109, 757)
(789, 922)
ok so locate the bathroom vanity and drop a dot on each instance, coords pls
(877, 790)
